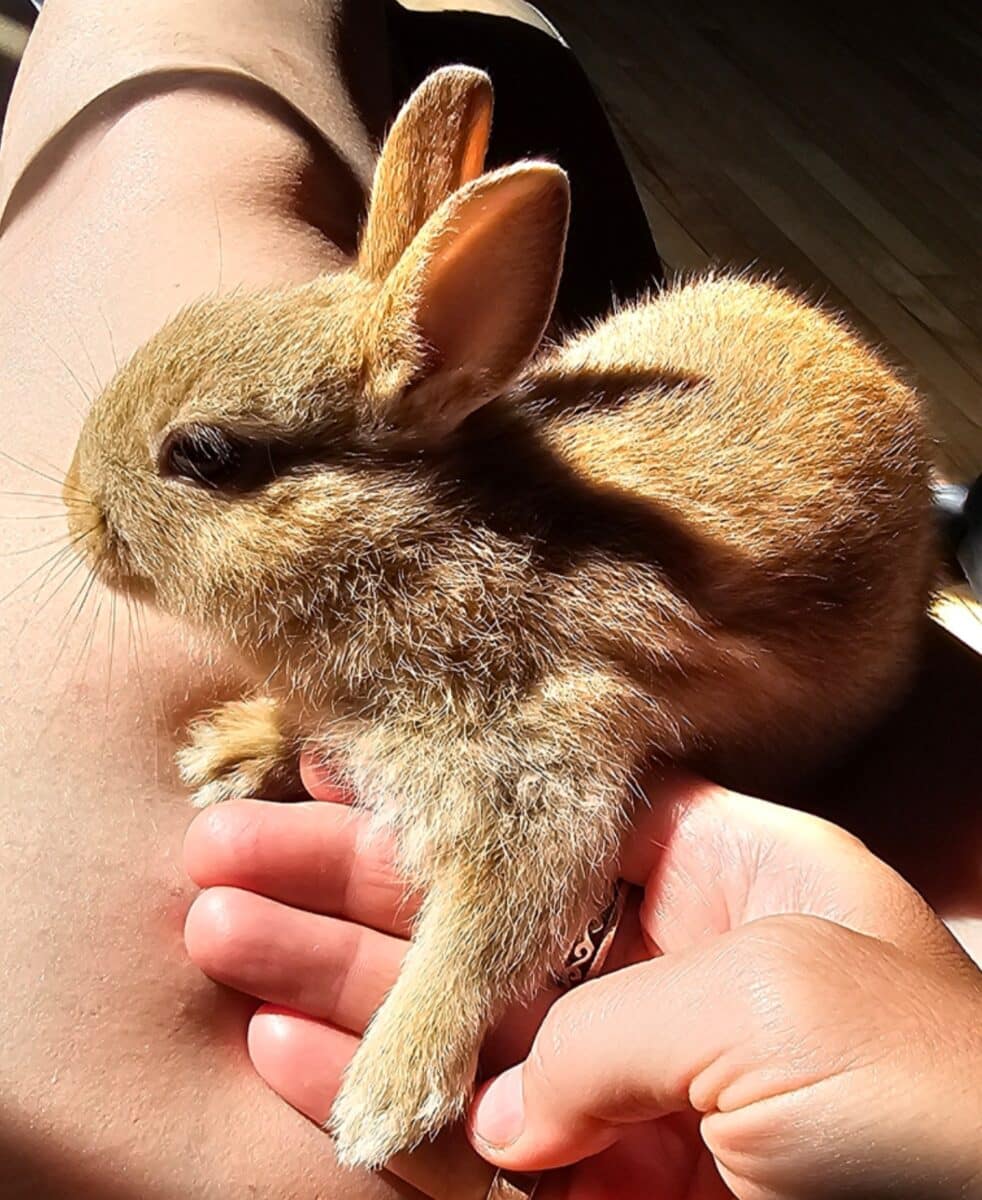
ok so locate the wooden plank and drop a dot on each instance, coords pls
(836, 105)
(919, 295)
(678, 249)
(721, 242)
(825, 77)
(814, 221)
(662, 137)
(684, 107)
(930, 55)
(888, 229)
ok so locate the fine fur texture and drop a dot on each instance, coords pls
(488, 580)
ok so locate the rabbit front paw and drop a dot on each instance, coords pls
(240, 749)
(398, 1090)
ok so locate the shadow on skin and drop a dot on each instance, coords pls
(346, 214)
(913, 789)
(36, 1167)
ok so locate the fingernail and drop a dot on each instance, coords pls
(320, 772)
(323, 780)
(498, 1115)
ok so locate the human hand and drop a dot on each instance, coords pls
(808, 1020)
(303, 911)
(767, 1021)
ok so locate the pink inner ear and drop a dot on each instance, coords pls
(454, 316)
(472, 162)
(488, 286)
(436, 146)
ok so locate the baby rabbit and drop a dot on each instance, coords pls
(488, 579)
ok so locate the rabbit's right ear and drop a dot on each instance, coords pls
(437, 144)
(467, 304)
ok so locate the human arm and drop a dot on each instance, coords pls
(121, 1070)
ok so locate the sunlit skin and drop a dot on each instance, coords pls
(118, 1055)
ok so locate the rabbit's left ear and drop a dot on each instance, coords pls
(436, 145)
(467, 304)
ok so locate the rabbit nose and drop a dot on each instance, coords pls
(87, 524)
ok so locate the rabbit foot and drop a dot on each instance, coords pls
(240, 749)
(392, 1099)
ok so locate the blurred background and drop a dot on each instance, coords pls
(839, 144)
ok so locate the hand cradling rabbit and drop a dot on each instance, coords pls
(488, 579)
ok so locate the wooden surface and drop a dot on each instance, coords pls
(838, 143)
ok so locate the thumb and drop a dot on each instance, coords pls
(660, 1037)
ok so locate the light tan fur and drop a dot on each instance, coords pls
(490, 580)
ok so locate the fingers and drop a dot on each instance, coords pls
(321, 781)
(711, 860)
(303, 1060)
(611, 1053)
(319, 965)
(574, 1092)
(274, 876)
(314, 856)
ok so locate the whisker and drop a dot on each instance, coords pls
(112, 648)
(43, 545)
(156, 703)
(133, 645)
(51, 516)
(43, 474)
(69, 618)
(85, 590)
(218, 228)
(112, 340)
(59, 472)
(38, 569)
(131, 655)
(89, 642)
(29, 328)
(52, 496)
(140, 649)
(57, 561)
(77, 614)
(63, 576)
(67, 569)
(85, 351)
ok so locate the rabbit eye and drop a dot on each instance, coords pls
(207, 456)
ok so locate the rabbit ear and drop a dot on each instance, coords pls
(467, 304)
(436, 145)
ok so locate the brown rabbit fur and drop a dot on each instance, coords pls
(488, 580)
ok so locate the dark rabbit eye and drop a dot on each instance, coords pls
(208, 456)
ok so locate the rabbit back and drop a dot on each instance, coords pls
(779, 473)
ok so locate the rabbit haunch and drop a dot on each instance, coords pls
(491, 579)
